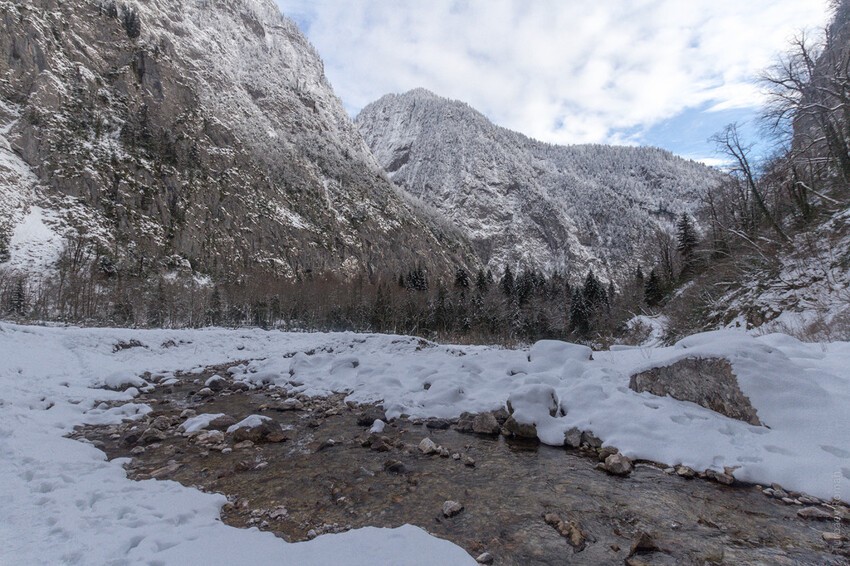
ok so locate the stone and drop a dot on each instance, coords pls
(444, 452)
(469, 462)
(205, 392)
(437, 424)
(208, 437)
(708, 382)
(242, 445)
(485, 423)
(833, 537)
(380, 445)
(138, 450)
(685, 472)
(369, 415)
(618, 465)
(256, 434)
(152, 435)
(291, 404)
(587, 437)
(464, 422)
(572, 438)
(720, 477)
(485, 558)
(188, 413)
(427, 446)
(239, 386)
(452, 508)
(161, 422)
(816, 513)
(221, 423)
(605, 452)
(570, 530)
(519, 430)
(216, 383)
(165, 470)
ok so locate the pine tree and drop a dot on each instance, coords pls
(214, 311)
(687, 242)
(579, 319)
(461, 278)
(507, 283)
(653, 291)
(594, 293)
(18, 300)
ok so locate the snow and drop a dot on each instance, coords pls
(199, 422)
(34, 246)
(65, 503)
(252, 421)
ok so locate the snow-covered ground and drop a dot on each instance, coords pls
(64, 503)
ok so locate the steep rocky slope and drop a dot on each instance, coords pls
(200, 131)
(524, 202)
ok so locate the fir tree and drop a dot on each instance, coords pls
(214, 311)
(653, 291)
(686, 242)
(18, 300)
(507, 283)
(461, 278)
(579, 319)
(594, 293)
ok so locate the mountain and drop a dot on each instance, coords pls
(523, 202)
(190, 133)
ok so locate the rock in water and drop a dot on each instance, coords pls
(618, 465)
(427, 446)
(485, 423)
(452, 508)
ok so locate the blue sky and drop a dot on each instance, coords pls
(660, 72)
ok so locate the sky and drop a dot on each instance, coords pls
(668, 73)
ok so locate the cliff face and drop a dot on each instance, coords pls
(202, 131)
(522, 202)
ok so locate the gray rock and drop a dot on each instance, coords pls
(685, 472)
(371, 414)
(152, 435)
(464, 422)
(437, 424)
(452, 508)
(161, 422)
(216, 383)
(605, 452)
(205, 392)
(427, 446)
(708, 382)
(519, 430)
(221, 423)
(618, 465)
(485, 558)
(816, 513)
(587, 437)
(291, 404)
(572, 438)
(485, 423)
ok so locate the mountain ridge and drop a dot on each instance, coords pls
(542, 194)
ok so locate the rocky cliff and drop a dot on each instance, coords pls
(196, 131)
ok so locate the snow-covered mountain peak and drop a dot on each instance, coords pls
(527, 203)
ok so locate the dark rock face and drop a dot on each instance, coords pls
(706, 382)
(201, 132)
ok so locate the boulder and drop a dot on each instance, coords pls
(572, 438)
(427, 446)
(485, 423)
(618, 465)
(708, 382)
(520, 430)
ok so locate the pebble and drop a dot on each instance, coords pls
(427, 446)
(452, 508)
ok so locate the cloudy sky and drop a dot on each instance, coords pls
(660, 72)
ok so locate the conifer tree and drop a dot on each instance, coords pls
(579, 319)
(507, 283)
(687, 242)
(653, 291)
(18, 300)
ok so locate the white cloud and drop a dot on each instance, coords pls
(564, 71)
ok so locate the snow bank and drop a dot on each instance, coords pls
(63, 503)
(65, 493)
